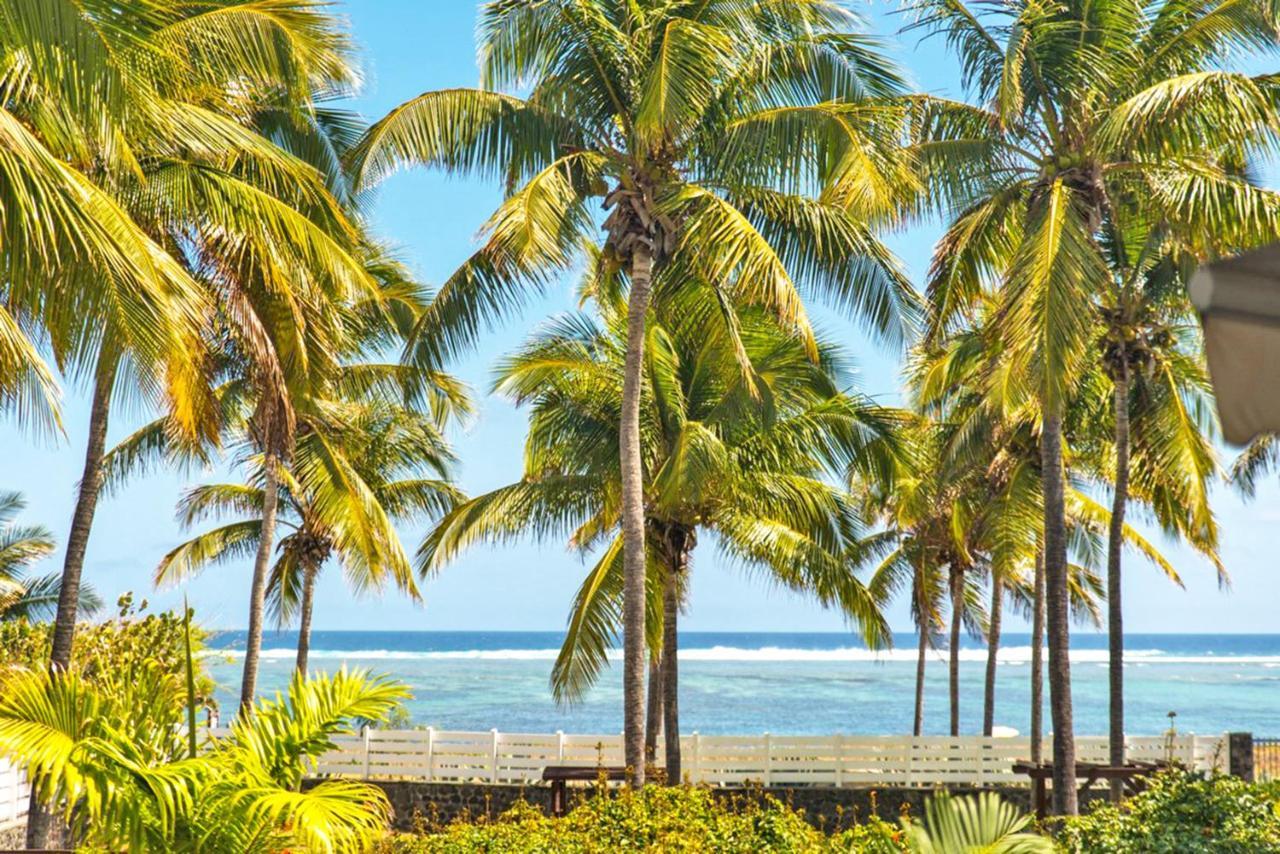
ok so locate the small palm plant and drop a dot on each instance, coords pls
(115, 758)
(23, 595)
(983, 824)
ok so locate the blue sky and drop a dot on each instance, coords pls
(408, 47)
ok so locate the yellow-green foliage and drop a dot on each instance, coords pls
(682, 819)
(111, 649)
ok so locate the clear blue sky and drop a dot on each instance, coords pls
(409, 47)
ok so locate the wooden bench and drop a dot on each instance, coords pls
(559, 776)
(1132, 777)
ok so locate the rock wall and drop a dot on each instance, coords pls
(829, 808)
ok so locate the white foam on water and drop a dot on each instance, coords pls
(1016, 655)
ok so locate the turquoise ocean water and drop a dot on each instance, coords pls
(789, 683)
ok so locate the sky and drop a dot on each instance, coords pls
(409, 47)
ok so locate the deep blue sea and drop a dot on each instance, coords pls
(789, 682)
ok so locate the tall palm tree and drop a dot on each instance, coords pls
(363, 468)
(154, 112)
(753, 145)
(925, 510)
(748, 460)
(1094, 119)
(979, 454)
(342, 385)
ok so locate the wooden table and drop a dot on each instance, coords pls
(1131, 776)
(559, 776)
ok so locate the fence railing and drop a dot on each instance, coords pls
(726, 760)
(433, 755)
(1266, 758)
(14, 794)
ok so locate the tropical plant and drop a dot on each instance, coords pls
(115, 759)
(754, 146)
(354, 473)
(750, 459)
(24, 596)
(1104, 131)
(979, 823)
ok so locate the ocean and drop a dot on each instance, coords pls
(792, 683)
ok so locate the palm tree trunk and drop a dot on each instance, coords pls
(257, 591)
(64, 625)
(1115, 544)
(653, 715)
(918, 726)
(1057, 612)
(633, 548)
(1037, 663)
(670, 657)
(304, 621)
(957, 617)
(993, 650)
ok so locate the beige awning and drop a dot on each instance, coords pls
(1239, 302)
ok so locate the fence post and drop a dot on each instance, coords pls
(493, 758)
(1240, 755)
(768, 759)
(560, 746)
(367, 730)
(695, 769)
(839, 752)
(431, 753)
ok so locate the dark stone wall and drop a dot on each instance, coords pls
(829, 808)
(14, 838)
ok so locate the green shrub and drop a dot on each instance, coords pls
(131, 641)
(696, 819)
(677, 819)
(1183, 813)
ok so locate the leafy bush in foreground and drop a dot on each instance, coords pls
(693, 819)
(1183, 813)
(114, 759)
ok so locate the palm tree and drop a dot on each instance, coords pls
(765, 130)
(922, 511)
(977, 488)
(1095, 120)
(746, 459)
(24, 596)
(154, 111)
(354, 474)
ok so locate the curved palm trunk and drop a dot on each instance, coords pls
(1037, 663)
(670, 657)
(1057, 605)
(653, 714)
(993, 650)
(953, 666)
(633, 548)
(64, 626)
(1115, 544)
(257, 591)
(917, 727)
(304, 620)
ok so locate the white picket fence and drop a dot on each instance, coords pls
(729, 760)
(433, 755)
(14, 793)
